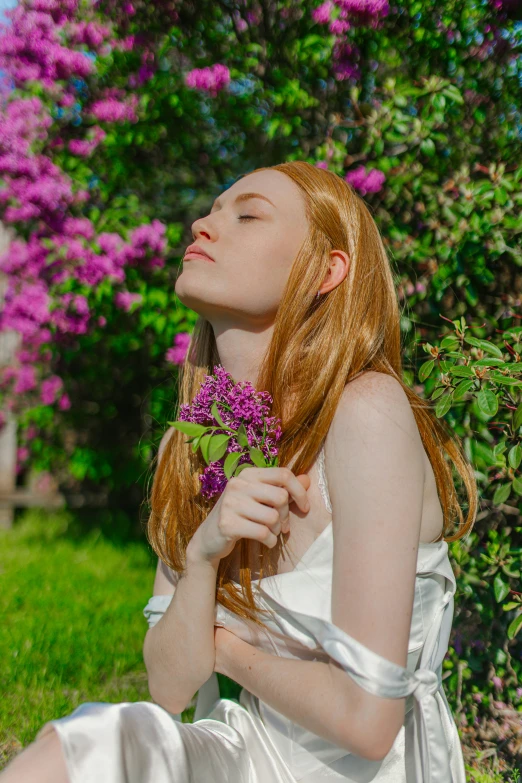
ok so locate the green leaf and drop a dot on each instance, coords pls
(517, 485)
(501, 589)
(231, 461)
(241, 436)
(510, 605)
(485, 346)
(242, 467)
(462, 371)
(501, 196)
(449, 343)
(189, 427)
(257, 457)
(514, 456)
(515, 626)
(204, 446)
(437, 392)
(463, 388)
(491, 361)
(517, 417)
(426, 369)
(215, 412)
(195, 443)
(443, 405)
(487, 402)
(505, 379)
(428, 147)
(217, 446)
(502, 492)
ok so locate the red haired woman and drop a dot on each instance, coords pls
(323, 587)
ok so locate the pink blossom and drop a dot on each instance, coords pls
(365, 12)
(339, 26)
(177, 353)
(22, 453)
(32, 47)
(64, 403)
(26, 307)
(26, 380)
(344, 60)
(111, 110)
(50, 388)
(212, 79)
(497, 682)
(44, 482)
(322, 14)
(86, 147)
(125, 300)
(365, 182)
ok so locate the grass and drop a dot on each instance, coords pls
(72, 625)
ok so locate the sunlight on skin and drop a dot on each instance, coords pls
(240, 292)
(41, 761)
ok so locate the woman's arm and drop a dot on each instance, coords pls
(303, 691)
(375, 469)
(179, 650)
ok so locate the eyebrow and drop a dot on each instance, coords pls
(245, 197)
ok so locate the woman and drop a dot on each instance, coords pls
(342, 678)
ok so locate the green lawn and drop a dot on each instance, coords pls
(72, 628)
(72, 625)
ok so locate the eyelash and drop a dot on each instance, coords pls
(246, 217)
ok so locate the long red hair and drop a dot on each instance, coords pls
(317, 347)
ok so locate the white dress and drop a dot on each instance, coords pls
(248, 741)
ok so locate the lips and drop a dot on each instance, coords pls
(196, 251)
(193, 255)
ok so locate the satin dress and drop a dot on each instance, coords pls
(247, 741)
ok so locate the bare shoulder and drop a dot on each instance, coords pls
(374, 414)
(372, 396)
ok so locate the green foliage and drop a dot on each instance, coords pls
(436, 108)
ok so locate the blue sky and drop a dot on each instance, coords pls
(3, 5)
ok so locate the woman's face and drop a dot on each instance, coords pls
(253, 244)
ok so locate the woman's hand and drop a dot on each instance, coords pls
(227, 644)
(253, 505)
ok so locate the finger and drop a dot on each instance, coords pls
(271, 495)
(266, 515)
(282, 477)
(257, 531)
(297, 491)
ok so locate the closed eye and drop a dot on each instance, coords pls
(246, 217)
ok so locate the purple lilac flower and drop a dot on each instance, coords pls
(177, 353)
(323, 13)
(244, 405)
(50, 388)
(211, 79)
(125, 300)
(365, 182)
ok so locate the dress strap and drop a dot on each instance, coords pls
(323, 485)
